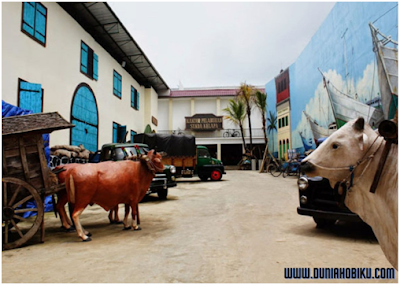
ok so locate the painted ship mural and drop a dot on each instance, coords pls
(358, 62)
(386, 56)
(346, 107)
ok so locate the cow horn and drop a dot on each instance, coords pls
(359, 124)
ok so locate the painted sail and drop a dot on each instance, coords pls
(345, 108)
(317, 130)
(306, 143)
(387, 71)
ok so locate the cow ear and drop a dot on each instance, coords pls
(359, 124)
(362, 141)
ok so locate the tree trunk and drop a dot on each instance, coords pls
(241, 132)
(251, 136)
(263, 128)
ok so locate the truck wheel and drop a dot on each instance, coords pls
(162, 193)
(216, 175)
(203, 178)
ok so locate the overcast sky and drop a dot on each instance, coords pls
(212, 44)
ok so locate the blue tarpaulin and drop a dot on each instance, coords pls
(9, 110)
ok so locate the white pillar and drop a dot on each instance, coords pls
(170, 121)
(218, 151)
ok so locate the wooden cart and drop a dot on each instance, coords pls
(26, 176)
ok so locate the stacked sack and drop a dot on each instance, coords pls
(70, 151)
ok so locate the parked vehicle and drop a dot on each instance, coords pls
(118, 151)
(319, 200)
(182, 152)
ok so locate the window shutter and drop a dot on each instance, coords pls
(31, 96)
(84, 57)
(95, 66)
(40, 23)
(137, 100)
(29, 17)
(132, 97)
(115, 132)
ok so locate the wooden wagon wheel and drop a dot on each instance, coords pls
(16, 193)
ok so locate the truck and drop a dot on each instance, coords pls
(181, 151)
(118, 151)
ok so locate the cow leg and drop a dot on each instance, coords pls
(135, 218)
(65, 221)
(79, 230)
(127, 209)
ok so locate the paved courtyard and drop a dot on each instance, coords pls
(244, 229)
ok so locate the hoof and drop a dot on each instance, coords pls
(89, 234)
(88, 239)
(138, 228)
(127, 229)
(70, 230)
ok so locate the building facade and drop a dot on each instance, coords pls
(335, 78)
(199, 112)
(78, 59)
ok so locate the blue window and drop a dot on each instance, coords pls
(34, 19)
(119, 133)
(133, 133)
(89, 62)
(134, 98)
(117, 84)
(30, 96)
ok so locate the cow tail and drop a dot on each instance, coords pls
(70, 185)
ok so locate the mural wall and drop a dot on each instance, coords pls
(341, 51)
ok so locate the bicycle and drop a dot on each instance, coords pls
(231, 133)
(275, 168)
(292, 167)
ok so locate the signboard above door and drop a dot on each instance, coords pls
(204, 122)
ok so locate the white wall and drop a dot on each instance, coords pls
(57, 68)
(163, 114)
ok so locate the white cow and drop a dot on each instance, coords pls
(357, 142)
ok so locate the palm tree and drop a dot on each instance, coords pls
(245, 93)
(260, 99)
(271, 124)
(236, 114)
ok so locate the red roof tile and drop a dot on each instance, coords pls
(206, 92)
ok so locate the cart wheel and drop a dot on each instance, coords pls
(16, 193)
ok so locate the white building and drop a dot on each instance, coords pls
(180, 108)
(79, 60)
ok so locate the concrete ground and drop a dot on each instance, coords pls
(242, 229)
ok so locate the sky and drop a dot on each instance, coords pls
(215, 44)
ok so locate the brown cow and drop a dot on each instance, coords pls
(62, 198)
(109, 184)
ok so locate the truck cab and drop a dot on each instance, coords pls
(207, 166)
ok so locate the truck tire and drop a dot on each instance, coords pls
(216, 175)
(162, 193)
(203, 177)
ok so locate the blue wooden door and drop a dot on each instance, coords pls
(85, 118)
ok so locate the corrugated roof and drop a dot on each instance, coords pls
(98, 19)
(212, 92)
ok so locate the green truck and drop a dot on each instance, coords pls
(181, 151)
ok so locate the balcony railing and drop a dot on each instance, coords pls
(227, 133)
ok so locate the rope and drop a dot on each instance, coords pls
(385, 13)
